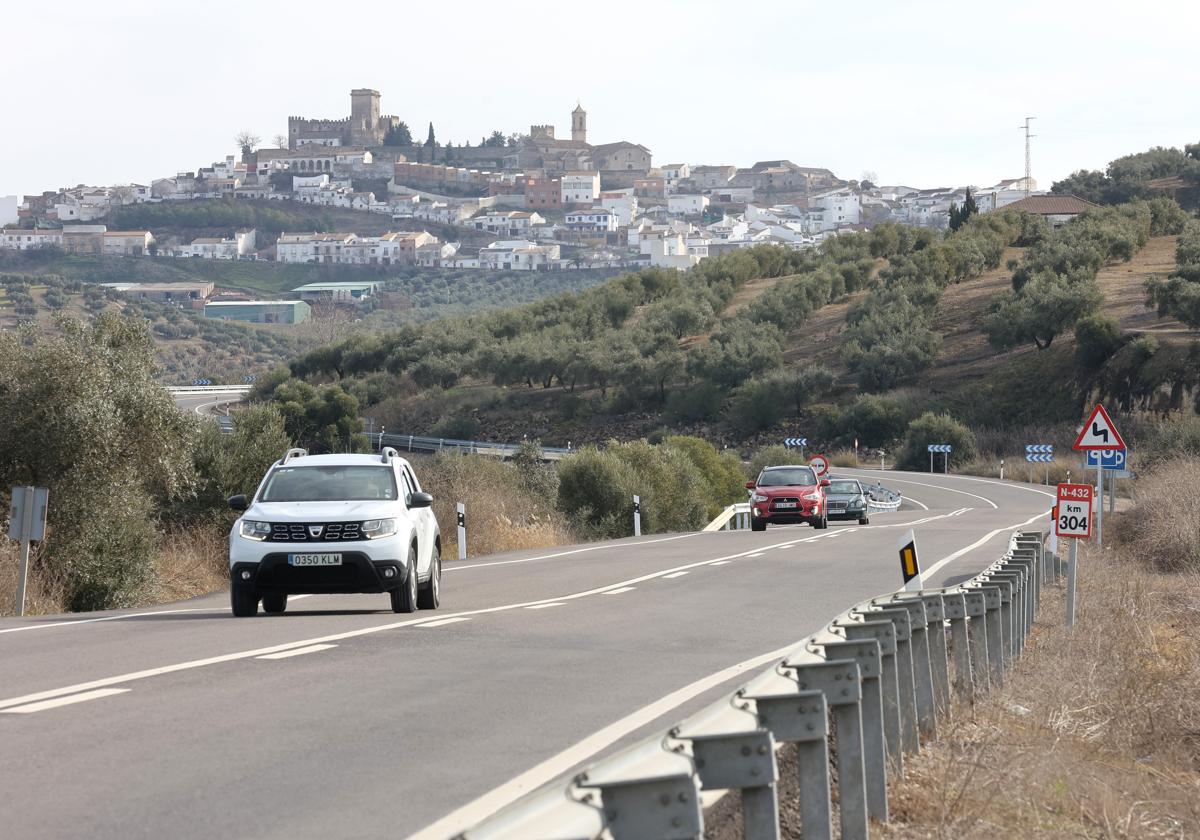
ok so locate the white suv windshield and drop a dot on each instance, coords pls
(330, 484)
(787, 477)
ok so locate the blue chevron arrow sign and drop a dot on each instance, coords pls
(940, 447)
(795, 441)
(1038, 458)
(1039, 448)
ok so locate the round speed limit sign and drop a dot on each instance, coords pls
(820, 465)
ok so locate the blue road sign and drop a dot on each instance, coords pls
(1038, 458)
(1109, 459)
(940, 447)
(249, 378)
(795, 441)
(1039, 448)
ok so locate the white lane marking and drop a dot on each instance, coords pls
(989, 535)
(69, 700)
(556, 765)
(1014, 484)
(362, 631)
(914, 501)
(566, 553)
(286, 654)
(758, 553)
(720, 562)
(681, 574)
(442, 622)
(24, 627)
(942, 487)
(546, 606)
(620, 590)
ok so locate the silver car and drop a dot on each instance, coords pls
(845, 498)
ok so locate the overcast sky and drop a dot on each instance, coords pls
(922, 93)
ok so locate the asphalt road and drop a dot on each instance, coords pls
(207, 403)
(341, 719)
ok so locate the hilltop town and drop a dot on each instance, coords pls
(522, 202)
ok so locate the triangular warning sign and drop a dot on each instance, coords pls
(1099, 432)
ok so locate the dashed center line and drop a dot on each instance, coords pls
(755, 554)
(719, 562)
(619, 591)
(546, 606)
(70, 699)
(674, 575)
(444, 621)
(286, 654)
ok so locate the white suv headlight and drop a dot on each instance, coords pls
(255, 530)
(373, 529)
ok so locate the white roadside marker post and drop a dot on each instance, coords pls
(637, 516)
(462, 530)
(1071, 557)
(1100, 502)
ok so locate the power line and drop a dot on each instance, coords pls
(1028, 164)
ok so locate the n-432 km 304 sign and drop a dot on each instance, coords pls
(1073, 513)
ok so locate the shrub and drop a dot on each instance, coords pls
(932, 428)
(874, 420)
(773, 456)
(1164, 524)
(1097, 337)
(722, 472)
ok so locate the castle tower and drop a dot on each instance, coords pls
(364, 117)
(579, 124)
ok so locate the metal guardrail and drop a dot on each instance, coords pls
(884, 672)
(209, 389)
(416, 443)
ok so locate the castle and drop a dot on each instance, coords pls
(364, 127)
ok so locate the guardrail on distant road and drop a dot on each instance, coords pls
(416, 443)
(209, 389)
(885, 669)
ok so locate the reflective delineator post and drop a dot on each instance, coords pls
(637, 516)
(1071, 582)
(462, 530)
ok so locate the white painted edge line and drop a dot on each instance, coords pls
(69, 700)
(286, 654)
(941, 487)
(442, 622)
(757, 554)
(676, 575)
(620, 590)
(989, 535)
(914, 501)
(546, 606)
(378, 628)
(25, 627)
(553, 767)
(719, 562)
(452, 568)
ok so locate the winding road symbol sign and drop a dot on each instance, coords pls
(1099, 432)
(820, 465)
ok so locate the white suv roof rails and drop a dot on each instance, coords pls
(294, 453)
(387, 454)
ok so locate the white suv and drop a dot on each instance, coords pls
(333, 524)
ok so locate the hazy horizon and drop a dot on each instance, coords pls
(924, 93)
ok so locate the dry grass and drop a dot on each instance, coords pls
(1164, 526)
(504, 513)
(42, 595)
(1097, 731)
(189, 562)
(1018, 469)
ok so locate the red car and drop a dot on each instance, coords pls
(788, 495)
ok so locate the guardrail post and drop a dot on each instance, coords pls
(803, 719)
(910, 739)
(884, 634)
(939, 661)
(922, 666)
(995, 632)
(976, 606)
(664, 805)
(840, 681)
(954, 608)
(1008, 596)
(868, 655)
(743, 761)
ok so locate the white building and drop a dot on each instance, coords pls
(8, 210)
(623, 203)
(241, 244)
(673, 173)
(29, 240)
(686, 204)
(511, 223)
(670, 251)
(518, 255)
(593, 220)
(842, 207)
(580, 188)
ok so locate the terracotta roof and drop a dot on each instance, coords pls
(1051, 205)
